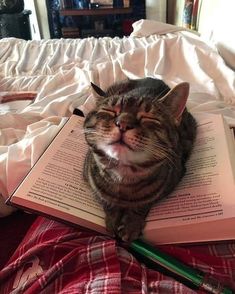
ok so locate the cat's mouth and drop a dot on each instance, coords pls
(126, 154)
(120, 142)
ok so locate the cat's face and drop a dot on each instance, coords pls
(130, 129)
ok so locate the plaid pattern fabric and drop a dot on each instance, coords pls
(55, 258)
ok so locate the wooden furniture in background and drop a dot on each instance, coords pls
(101, 21)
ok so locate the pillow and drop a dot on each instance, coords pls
(228, 54)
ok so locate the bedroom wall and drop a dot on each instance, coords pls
(218, 27)
(43, 19)
(216, 17)
(156, 10)
(220, 22)
(175, 11)
(216, 23)
(34, 25)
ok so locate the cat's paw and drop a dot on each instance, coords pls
(123, 224)
(128, 233)
(111, 222)
(130, 228)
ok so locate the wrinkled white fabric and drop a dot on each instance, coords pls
(60, 71)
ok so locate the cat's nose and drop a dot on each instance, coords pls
(125, 123)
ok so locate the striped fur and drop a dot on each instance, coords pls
(140, 135)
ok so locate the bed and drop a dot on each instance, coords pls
(41, 83)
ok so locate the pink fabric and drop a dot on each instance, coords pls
(11, 96)
(55, 258)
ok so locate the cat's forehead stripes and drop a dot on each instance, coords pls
(131, 103)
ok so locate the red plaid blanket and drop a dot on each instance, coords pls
(55, 258)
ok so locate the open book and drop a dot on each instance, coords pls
(201, 208)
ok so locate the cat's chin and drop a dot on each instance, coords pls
(123, 154)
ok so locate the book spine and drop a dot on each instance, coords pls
(65, 4)
(194, 15)
(187, 13)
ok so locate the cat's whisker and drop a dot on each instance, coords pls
(89, 131)
(157, 98)
(110, 161)
(158, 150)
(162, 152)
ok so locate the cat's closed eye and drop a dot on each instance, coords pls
(105, 112)
(149, 119)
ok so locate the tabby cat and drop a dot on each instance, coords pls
(140, 135)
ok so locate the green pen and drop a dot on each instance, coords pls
(196, 277)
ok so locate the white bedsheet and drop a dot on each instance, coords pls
(61, 72)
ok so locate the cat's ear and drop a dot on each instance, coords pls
(98, 91)
(176, 100)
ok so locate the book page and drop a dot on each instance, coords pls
(56, 180)
(206, 192)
